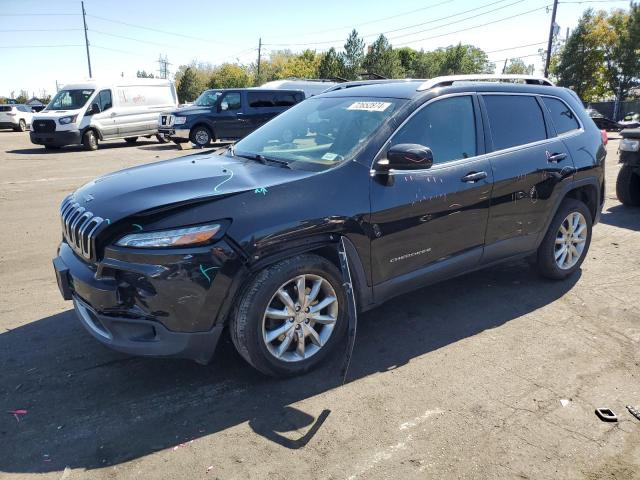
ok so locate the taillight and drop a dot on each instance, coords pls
(605, 137)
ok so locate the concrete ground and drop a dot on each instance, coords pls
(492, 375)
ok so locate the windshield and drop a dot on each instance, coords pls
(70, 99)
(319, 130)
(208, 98)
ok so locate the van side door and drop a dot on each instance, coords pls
(530, 164)
(434, 218)
(105, 120)
(229, 120)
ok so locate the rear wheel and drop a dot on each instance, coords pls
(89, 140)
(290, 316)
(567, 241)
(201, 136)
(131, 139)
(628, 186)
(22, 126)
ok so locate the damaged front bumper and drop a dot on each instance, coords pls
(161, 303)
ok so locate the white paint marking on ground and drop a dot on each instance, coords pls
(388, 452)
(52, 179)
(418, 420)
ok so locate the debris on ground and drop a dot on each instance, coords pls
(17, 412)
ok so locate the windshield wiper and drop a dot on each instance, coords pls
(261, 158)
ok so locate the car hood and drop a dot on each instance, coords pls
(191, 110)
(193, 178)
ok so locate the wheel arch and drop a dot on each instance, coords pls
(97, 131)
(325, 246)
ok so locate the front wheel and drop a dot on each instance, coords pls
(89, 140)
(162, 138)
(566, 243)
(290, 316)
(201, 136)
(628, 186)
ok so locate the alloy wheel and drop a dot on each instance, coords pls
(570, 240)
(300, 318)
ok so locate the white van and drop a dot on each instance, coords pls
(84, 113)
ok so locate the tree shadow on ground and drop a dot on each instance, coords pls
(89, 407)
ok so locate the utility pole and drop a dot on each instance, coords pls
(164, 67)
(86, 38)
(259, 56)
(504, 68)
(552, 28)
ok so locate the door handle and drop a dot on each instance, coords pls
(555, 157)
(473, 177)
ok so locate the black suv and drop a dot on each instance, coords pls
(226, 114)
(411, 182)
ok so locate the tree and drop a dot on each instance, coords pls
(23, 97)
(230, 75)
(353, 56)
(621, 35)
(188, 86)
(408, 58)
(464, 59)
(144, 74)
(517, 66)
(581, 61)
(382, 60)
(331, 65)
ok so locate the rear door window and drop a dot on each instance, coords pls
(260, 99)
(563, 117)
(446, 126)
(232, 100)
(514, 120)
(284, 99)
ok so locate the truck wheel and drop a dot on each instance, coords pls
(201, 136)
(162, 138)
(290, 316)
(22, 126)
(565, 246)
(89, 140)
(131, 140)
(628, 186)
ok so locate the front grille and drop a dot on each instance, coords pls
(44, 126)
(79, 227)
(166, 120)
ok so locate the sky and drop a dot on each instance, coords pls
(42, 42)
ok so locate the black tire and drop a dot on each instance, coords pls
(246, 321)
(90, 140)
(22, 126)
(546, 263)
(162, 138)
(201, 136)
(131, 140)
(628, 186)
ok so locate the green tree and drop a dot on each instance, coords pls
(230, 75)
(331, 65)
(144, 74)
(189, 87)
(23, 97)
(408, 58)
(463, 59)
(353, 56)
(581, 62)
(517, 66)
(382, 60)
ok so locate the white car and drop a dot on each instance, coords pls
(88, 112)
(17, 117)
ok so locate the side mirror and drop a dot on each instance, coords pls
(406, 156)
(93, 109)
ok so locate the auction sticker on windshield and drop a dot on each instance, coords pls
(369, 106)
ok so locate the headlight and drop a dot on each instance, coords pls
(67, 120)
(170, 238)
(628, 145)
(179, 120)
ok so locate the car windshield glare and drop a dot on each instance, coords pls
(70, 99)
(321, 130)
(208, 98)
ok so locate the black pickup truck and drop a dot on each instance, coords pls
(228, 114)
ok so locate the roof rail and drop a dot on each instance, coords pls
(449, 79)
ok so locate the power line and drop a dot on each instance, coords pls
(475, 26)
(42, 30)
(515, 58)
(39, 14)
(132, 39)
(157, 30)
(519, 46)
(374, 21)
(39, 46)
